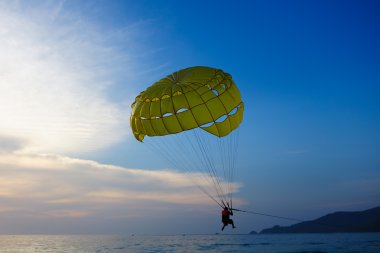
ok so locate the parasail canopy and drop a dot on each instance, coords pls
(190, 98)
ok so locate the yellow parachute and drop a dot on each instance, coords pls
(204, 105)
(190, 98)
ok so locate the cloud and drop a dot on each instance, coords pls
(59, 186)
(10, 144)
(55, 70)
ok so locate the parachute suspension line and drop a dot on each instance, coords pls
(203, 164)
(230, 165)
(162, 146)
(156, 147)
(197, 151)
(230, 160)
(229, 171)
(228, 150)
(187, 164)
(192, 165)
(223, 162)
(209, 164)
(234, 154)
(226, 167)
(218, 177)
(204, 160)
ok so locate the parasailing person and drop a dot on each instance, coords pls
(192, 117)
(226, 218)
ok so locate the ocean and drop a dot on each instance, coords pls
(280, 243)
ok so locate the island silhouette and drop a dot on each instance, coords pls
(337, 222)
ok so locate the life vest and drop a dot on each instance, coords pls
(225, 215)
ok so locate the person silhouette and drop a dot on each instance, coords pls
(226, 218)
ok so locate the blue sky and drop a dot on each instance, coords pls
(308, 72)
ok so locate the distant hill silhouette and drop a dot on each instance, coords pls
(363, 221)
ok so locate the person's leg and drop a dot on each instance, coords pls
(232, 223)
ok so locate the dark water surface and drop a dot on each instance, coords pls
(282, 243)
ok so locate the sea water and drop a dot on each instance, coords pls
(280, 243)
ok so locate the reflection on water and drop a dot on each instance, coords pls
(283, 243)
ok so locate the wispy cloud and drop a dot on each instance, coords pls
(54, 72)
(57, 186)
